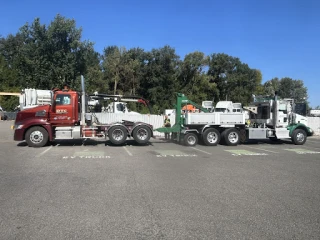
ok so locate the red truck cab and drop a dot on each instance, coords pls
(64, 111)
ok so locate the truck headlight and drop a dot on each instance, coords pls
(18, 126)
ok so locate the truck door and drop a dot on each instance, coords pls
(63, 110)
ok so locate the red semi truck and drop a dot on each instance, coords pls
(66, 118)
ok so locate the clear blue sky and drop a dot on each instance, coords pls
(281, 38)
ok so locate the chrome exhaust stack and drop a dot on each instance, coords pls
(83, 102)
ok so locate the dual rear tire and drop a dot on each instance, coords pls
(230, 137)
(211, 137)
(118, 134)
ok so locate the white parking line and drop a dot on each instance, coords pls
(310, 147)
(130, 154)
(40, 154)
(260, 149)
(201, 150)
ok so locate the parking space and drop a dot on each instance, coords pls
(269, 190)
(159, 148)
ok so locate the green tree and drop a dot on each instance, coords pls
(271, 86)
(259, 86)
(136, 60)
(193, 80)
(287, 88)
(290, 88)
(7, 84)
(94, 74)
(159, 80)
(112, 65)
(47, 56)
(235, 80)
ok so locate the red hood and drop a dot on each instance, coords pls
(35, 112)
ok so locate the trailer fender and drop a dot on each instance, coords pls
(185, 131)
(205, 128)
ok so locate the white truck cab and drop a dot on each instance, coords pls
(228, 107)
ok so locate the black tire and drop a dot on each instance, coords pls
(231, 137)
(299, 137)
(141, 134)
(37, 137)
(211, 137)
(243, 136)
(118, 134)
(190, 139)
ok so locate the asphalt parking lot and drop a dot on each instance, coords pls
(93, 190)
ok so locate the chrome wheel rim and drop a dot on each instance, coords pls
(212, 137)
(191, 140)
(142, 134)
(233, 137)
(36, 137)
(300, 137)
(117, 134)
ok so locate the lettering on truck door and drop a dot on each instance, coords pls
(63, 111)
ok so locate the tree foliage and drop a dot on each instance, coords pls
(235, 80)
(45, 56)
(287, 88)
(193, 80)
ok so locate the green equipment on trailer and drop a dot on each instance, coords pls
(265, 118)
(178, 128)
